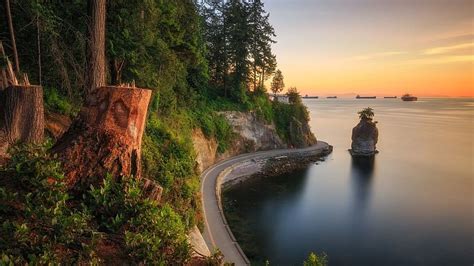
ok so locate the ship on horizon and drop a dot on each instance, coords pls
(409, 98)
(331, 97)
(365, 97)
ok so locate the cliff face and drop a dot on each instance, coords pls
(301, 135)
(252, 134)
(364, 138)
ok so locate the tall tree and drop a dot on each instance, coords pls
(237, 17)
(12, 35)
(277, 83)
(96, 70)
(215, 34)
(261, 39)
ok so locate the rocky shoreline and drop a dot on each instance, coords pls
(271, 166)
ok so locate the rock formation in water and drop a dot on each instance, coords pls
(364, 137)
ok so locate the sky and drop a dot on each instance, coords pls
(375, 47)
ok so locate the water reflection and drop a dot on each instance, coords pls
(362, 171)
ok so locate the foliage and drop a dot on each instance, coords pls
(38, 225)
(152, 234)
(196, 63)
(294, 96)
(288, 114)
(316, 260)
(366, 113)
(42, 223)
(54, 102)
(239, 37)
(277, 83)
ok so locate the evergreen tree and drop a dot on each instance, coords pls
(261, 38)
(237, 19)
(216, 40)
(277, 83)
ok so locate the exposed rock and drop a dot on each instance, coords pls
(301, 135)
(269, 167)
(206, 149)
(364, 138)
(255, 134)
(56, 124)
(199, 247)
(252, 134)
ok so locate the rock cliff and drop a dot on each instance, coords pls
(364, 138)
(300, 134)
(252, 134)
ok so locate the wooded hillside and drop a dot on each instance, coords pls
(161, 68)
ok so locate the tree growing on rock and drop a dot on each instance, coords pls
(366, 113)
(365, 134)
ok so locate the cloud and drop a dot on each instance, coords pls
(448, 49)
(441, 60)
(375, 55)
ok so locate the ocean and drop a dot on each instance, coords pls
(412, 204)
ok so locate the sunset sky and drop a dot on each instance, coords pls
(375, 47)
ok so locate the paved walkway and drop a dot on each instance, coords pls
(217, 233)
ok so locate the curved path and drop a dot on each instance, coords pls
(217, 233)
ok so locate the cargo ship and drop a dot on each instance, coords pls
(331, 97)
(365, 97)
(409, 98)
(390, 97)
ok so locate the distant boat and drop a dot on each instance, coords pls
(365, 97)
(409, 98)
(331, 97)
(310, 97)
(390, 97)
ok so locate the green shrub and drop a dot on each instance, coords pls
(152, 234)
(55, 102)
(42, 223)
(38, 224)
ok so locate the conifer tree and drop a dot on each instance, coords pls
(277, 83)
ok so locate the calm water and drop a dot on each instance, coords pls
(412, 205)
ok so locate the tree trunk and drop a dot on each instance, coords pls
(12, 35)
(105, 138)
(96, 75)
(116, 66)
(23, 114)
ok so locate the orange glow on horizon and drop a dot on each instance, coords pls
(336, 48)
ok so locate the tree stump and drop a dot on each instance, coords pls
(106, 137)
(23, 113)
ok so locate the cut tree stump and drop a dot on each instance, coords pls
(105, 138)
(23, 113)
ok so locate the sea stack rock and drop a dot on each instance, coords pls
(365, 135)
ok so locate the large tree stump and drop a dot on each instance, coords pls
(106, 137)
(23, 113)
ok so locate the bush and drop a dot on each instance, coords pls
(38, 224)
(55, 102)
(153, 234)
(168, 157)
(42, 223)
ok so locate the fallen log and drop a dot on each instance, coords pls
(105, 138)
